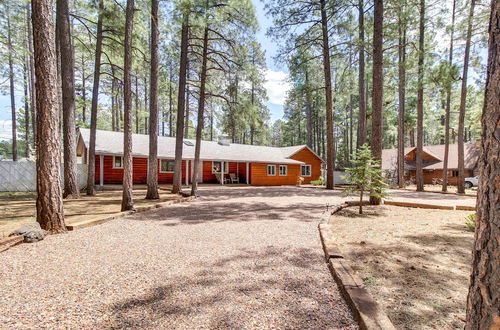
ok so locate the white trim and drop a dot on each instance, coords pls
(247, 174)
(306, 147)
(187, 171)
(225, 170)
(269, 166)
(168, 160)
(101, 170)
(117, 168)
(310, 170)
(286, 170)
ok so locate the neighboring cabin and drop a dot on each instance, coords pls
(433, 157)
(255, 165)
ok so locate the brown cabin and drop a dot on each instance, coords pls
(433, 157)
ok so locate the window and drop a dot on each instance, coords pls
(167, 165)
(117, 162)
(271, 170)
(216, 167)
(188, 143)
(283, 170)
(305, 170)
(454, 174)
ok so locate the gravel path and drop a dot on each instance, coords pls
(235, 258)
(430, 198)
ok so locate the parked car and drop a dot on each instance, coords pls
(471, 182)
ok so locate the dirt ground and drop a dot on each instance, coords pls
(415, 262)
(19, 208)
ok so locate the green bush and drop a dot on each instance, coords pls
(470, 221)
(319, 182)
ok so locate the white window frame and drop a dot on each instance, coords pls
(225, 164)
(286, 170)
(114, 163)
(168, 160)
(302, 167)
(271, 166)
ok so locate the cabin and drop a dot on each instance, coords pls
(251, 164)
(432, 159)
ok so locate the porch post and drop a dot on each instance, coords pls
(222, 173)
(187, 172)
(247, 174)
(101, 170)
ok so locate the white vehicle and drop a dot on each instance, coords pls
(471, 182)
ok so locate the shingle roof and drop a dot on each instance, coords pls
(471, 154)
(111, 143)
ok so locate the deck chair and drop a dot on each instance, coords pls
(234, 178)
(218, 177)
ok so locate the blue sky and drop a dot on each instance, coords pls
(276, 78)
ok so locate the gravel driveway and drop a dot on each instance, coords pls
(245, 257)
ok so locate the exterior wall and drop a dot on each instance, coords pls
(139, 171)
(259, 177)
(305, 155)
(438, 174)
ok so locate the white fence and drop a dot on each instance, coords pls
(21, 175)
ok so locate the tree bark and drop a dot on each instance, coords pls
(201, 108)
(68, 100)
(26, 109)
(49, 205)
(11, 86)
(330, 157)
(176, 185)
(378, 86)
(463, 98)
(483, 301)
(448, 107)
(152, 192)
(361, 138)
(420, 99)
(95, 99)
(402, 100)
(127, 197)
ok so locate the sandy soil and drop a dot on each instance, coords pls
(19, 208)
(415, 262)
(237, 258)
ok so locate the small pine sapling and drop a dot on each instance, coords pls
(365, 175)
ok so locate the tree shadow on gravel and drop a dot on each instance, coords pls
(202, 212)
(269, 288)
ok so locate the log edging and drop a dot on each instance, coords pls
(365, 309)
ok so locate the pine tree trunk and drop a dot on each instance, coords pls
(330, 157)
(12, 87)
(402, 101)
(26, 110)
(127, 197)
(170, 107)
(308, 110)
(176, 186)
(361, 139)
(201, 108)
(447, 107)
(84, 92)
(68, 101)
(420, 99)
(136, 105)
(378, 86)
(49, 205)
(95, 99)
(31, 72)
(463, 99)
(152, 192)
(483, 301)
(186, 112)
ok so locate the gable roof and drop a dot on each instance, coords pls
(471, 155)
(111, 143)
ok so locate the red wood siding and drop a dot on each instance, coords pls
(430, 176)
(139, 173)
(305, 155)
(259, 177)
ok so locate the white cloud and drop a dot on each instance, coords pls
(277, 86)
(5, 129)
